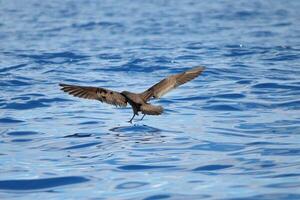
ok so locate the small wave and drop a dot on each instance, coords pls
(270, 196)
(217, 147)
(131, 185)
(223, 107)
(31, 104)
(230, 96)
(289, 104)
(144, 167)
(158, 197)
(292, 184)
(14, 68)
(16, 83)
(92, 25)
(275, 86)
(284, 58)
(80, 146)
(36, 184)
(79, 135)
(25, 106)
(55, 57)
(22, 133)
(21, 140)
(8, 120)
(285, 175)
(212, 167)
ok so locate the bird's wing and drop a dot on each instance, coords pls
(97, 93)
(171, 82)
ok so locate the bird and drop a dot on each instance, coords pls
(138, 101)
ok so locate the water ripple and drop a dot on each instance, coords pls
(36, 184)
(212, 167)
(144, 167)
(8, 120)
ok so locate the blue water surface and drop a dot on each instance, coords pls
(232, 133)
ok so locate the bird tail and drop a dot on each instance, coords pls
(149, 109)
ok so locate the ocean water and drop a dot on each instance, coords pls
(232, 133)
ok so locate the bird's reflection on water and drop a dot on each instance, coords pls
(136, 128)
(138, 133)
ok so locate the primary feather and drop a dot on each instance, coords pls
(97, 93)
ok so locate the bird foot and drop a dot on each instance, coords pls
(130, 121)
(143, 117)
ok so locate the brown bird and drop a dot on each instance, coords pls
(138, 101)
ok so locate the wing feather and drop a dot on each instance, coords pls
(97, 93)
(171, 82)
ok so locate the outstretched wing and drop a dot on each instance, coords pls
(101, 94)
(171, 82)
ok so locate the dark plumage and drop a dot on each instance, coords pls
(138, 101)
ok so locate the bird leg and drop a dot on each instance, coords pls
(143, 117)
(130, 121)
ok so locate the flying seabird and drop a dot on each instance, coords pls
(138, 101)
